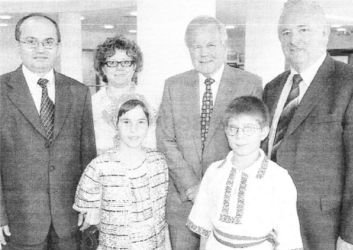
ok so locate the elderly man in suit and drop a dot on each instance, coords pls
(189, 130)
(47, 138)
(312, 127)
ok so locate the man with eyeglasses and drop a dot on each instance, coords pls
(47, 139)
(189, 130)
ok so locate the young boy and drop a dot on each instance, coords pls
(245, 200)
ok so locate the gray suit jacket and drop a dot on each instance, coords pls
(179, 132)
(317, 151)
(38, 182)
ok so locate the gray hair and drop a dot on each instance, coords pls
(304, 5)
(202, 21)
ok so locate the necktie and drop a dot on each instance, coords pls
(207, 108)
(46, 110)
(288, 111)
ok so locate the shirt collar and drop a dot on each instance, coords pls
(254, 169)
(309, 73)
(32, 78)
(216, 76)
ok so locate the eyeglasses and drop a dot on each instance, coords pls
(209, 47)
(247, 130)
(114, 64)
(33, 43)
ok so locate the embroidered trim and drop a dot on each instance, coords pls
(259, 241)
(228, 191)
(263, 168)
(241, 199)
(197, 229)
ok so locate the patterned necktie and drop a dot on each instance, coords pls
(46, 110)
(207, 108)
(287, 113)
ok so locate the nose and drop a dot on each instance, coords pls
(133, 127)
(119, 67)
(240, 133)
(295, 38)
(204, 51)
(40, 46)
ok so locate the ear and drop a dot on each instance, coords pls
(58, 52)
(264, 132)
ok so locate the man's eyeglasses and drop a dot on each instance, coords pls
(114, 64)
(247, 130)
(33, 43)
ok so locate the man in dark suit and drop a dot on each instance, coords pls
(189, 129)
(312, 127)
(47, 138)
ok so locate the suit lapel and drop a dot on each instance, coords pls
(63, 102)
(275, 93)
(228, 88)
(315, 92)
(23, 100)
(192, 108)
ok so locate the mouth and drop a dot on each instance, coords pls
(295, 49)
(134, 138)
(40, 58)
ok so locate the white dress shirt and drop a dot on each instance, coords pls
(35, 89)
(307, 76)
(217, 77)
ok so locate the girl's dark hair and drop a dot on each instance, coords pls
(131, 104)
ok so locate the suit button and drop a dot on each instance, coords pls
(52, 168)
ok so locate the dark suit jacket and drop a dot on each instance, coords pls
(317, 150)
(38, 182)
(179, 132)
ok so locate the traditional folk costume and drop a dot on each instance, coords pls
(128, 203)
(252, 209)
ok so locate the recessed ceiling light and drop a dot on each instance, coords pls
(82, 18)
(133, 13)
(108, 26)
(341, 29)
(336, 25)
(230, 26)
(3, 24)
(133, 31)
(5, 17)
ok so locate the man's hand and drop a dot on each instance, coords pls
(82, 221)
(4, 230)
(192, 193)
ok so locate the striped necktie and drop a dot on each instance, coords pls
(46, 110)
(286, 116)
(207, 108)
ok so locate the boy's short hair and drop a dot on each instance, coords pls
(247, 105)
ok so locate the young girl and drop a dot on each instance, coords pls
(125, 188)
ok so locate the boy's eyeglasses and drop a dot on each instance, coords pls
(33, 43)
(247, 130)
(114, 64)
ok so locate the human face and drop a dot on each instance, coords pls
(206, 50)
(132, 128)
(303, 39)
(38, 60)
(119, 76)
(241, 144)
